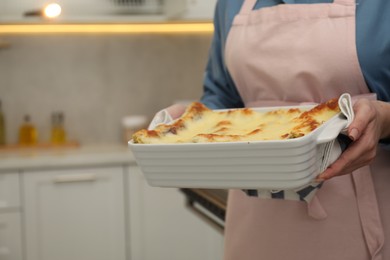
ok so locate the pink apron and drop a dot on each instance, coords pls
(291, 54)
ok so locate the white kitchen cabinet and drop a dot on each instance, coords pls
(75, 214)
(9, 191)
(10, 218)
(162, 228)
(10, 236)
(199, 9)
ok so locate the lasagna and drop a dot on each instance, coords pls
(200, 124)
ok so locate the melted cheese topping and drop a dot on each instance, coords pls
(202, 125)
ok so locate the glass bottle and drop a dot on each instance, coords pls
(2, 126)
(58, 134)
(28, 134)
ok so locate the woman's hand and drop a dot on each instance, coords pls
(176, 110)
(166, 115)
(371, 123)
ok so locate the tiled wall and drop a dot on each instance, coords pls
(97, 79)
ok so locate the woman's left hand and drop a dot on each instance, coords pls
(371, 123)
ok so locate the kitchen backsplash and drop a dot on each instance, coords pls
(96, 80)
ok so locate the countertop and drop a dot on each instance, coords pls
(36, 159)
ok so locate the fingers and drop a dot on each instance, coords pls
(364, 114)
(364, 133)
(358, 154)
(176, 110)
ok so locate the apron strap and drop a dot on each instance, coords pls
(345, 2)
(369, 96)
(247, 6)
(316, 210)
(369, 211)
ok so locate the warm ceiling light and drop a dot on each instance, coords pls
(52, 10)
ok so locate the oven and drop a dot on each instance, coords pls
(208, 204)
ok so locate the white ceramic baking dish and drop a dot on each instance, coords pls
(276, 165)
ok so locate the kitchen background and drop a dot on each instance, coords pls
(92, 201)
(97, 79)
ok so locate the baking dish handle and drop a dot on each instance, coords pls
(332, 130)
(341, 123)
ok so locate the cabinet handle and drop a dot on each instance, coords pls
(69, 178)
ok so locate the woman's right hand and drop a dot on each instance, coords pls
(371, 123)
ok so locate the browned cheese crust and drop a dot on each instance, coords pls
(200, 124)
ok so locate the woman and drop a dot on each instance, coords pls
(273, 52)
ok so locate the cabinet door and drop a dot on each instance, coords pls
(74, 214)
(199, 9)
(10, 222)
(161, 227)
(10, 236)
(9, 191)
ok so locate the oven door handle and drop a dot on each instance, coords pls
(190, 204)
